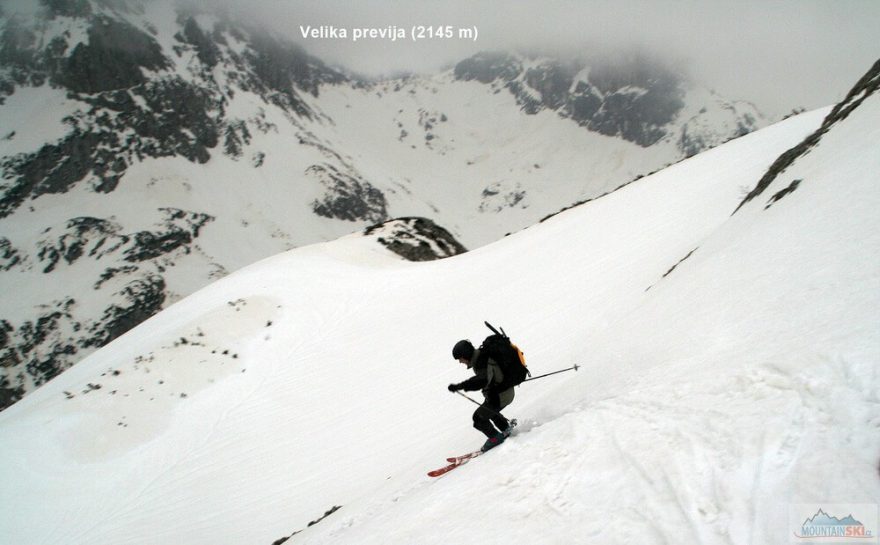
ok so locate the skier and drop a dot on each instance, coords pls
(488, 377)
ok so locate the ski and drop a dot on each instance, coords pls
(463, 457)
(455, 462)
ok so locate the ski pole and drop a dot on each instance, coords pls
(469, 398)
(576, 367)
(475, 402)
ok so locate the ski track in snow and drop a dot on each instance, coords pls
(667, 452)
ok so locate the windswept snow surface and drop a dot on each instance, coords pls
(709, 399)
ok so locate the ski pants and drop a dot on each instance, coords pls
(488, 416)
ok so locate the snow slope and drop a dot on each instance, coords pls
(711, 398)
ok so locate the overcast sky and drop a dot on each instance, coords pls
(777, 53)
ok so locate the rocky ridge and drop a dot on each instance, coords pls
(636, 98)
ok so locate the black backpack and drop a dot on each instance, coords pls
(508, 356)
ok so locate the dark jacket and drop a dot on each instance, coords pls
(487, 374)
(488, 377)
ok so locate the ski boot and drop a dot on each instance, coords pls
(493, 441)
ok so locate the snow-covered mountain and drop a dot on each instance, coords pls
(147, 150)
(729, 370)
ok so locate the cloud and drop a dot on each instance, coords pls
(779, 54)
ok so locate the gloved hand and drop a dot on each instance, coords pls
(453, 388)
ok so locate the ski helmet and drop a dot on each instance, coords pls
(463, 349)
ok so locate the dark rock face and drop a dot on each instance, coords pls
(36, 350)
(634, 99)
(488, 67)
(85, 234)
(129, 116)
(18, 54)
(96, 238)
(639, 102)
(9, 255)
(207, 50)
(237, 135)
(552, 81)
(691, 144)
(692, 140)
(174, 120)
(9, 394)
(52, 169)
(140, 299)
(113, 58)
(497, 196)
(416, 239)
(865, 87)
(178, 232)
(67, 8)
(347, 197)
